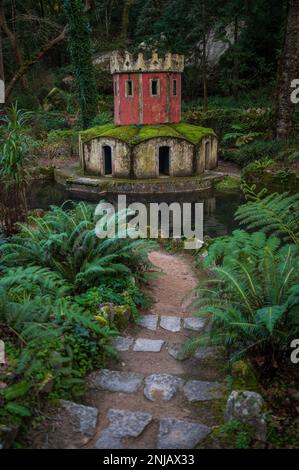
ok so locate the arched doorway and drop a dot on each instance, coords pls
(164, 161)
(207, 155)
(107, 153)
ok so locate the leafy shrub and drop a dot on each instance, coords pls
(65, 242)
(254, 295)
(256, 166)
(14, 149)
(60, 135)
(256, 150)
(294, 157)
(54, 341)
(271, 213)
(53, 338)
(240, 135)
(101, 119)
(219, 119)
(253, 298)
(44, 122)
(223, 120)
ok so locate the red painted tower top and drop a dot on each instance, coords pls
(147, 91)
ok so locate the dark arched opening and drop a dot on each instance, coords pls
(207, 155)
(107, 160)
(164, 160)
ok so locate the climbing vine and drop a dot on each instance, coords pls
(81, 57)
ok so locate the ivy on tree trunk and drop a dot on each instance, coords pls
(288, 71)
(78, 33)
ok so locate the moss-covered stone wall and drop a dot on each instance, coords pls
(94, 157)
(146, 158)
(140, 159)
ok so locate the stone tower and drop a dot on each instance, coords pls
(147, 92)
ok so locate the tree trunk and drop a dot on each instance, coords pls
(288, 71)
(1, 58)
(11, 35)
(236, 60)
(125, 20)
(27, 65)
(204, 58)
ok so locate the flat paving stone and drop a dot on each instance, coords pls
(197, 390)
(171, 323)
(176, 434)
(83, 418)
(148, 345)
(195, 324)
(164, 384)
(115, 381)
(122, 423)
(149, 321)
(122, 343)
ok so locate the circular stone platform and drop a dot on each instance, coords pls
(72, 179)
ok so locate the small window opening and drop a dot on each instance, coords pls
(164, 160)
(207, 155)
(155, 87)
(115, 88)
(175, 88)
(107, 160)
(129, 88)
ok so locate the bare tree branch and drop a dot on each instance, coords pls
(27, 65)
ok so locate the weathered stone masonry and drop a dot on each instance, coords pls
(142, 161)
(147, 139)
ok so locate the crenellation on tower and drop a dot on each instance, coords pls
(128, 63)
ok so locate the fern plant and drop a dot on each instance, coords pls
(276, 214)
(54, 339)
(253, 297)
(65, 242)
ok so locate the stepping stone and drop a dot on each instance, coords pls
(197, 390)
(115, 381)
(206, 352)
(195, 324)
(148, 345)
(175, 350)
(149, 321)
(83, 418)
(122, 424)
(122, 343)
(164, 384)
(171, 323)
(176, 434)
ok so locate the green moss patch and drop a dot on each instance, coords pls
(134, 135)
(228, 183)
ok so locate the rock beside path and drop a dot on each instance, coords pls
(177, 434)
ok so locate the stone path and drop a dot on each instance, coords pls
(154, 397)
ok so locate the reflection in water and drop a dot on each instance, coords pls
(219, 207)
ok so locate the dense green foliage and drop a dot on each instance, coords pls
(65, 242)
(271, 213)
(57, 286)
(51, 342)
(253, 296)
(14, 147)
(253, 37)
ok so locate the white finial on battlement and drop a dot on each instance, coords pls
(126, 63)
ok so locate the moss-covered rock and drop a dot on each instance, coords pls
(228, 183)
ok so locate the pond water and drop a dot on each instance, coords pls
(219, 207)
